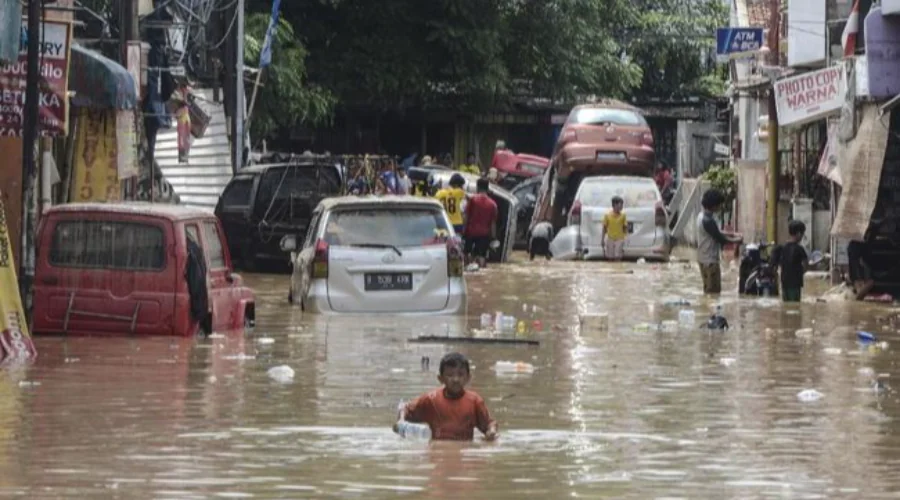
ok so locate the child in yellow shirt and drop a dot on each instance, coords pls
(614, 230)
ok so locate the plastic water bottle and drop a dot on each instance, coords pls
(687, 317)
(498, 321)
(410, 430)
(417, 432)
(520, 328)
(486, 320)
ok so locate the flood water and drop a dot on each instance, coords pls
(626, 413)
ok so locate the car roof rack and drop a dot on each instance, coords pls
(274, 157)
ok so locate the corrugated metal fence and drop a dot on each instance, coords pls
(200, 181)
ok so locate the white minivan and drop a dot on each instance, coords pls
(370, 255)
(647, 217)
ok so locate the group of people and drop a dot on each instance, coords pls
(473, 217)
(791, 259)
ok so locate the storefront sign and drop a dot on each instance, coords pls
(734, 43)
(55, 46)
(126, 144)
(810, 96)
(95, 174)
(15, 342)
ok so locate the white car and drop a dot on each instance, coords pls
(645, 212)
(370, 255)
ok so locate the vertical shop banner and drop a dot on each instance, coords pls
(126, 144)
(55, 47)
(15, 342)
(95, 170)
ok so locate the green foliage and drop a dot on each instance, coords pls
(476, 55)
(285, 98)
(673, 42)
(723, 178)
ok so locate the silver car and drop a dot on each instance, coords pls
(365, 255)
(648, 233)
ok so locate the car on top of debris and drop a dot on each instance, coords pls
(605, 138)
(370, 255)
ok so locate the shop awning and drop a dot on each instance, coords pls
(100, 82)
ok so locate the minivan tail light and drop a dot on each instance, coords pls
(455, 260)
(647, 139)
(575, 213)
(320, 261)
(661, 218)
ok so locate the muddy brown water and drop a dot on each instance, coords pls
(620, 414)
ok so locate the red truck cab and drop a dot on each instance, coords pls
(120, 268)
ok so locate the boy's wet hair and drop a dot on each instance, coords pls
(617, 199)
(454, 360)
(796, 228)
(712, 199)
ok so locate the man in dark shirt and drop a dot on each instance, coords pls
(793, 261)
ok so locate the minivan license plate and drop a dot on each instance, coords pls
(380, 282)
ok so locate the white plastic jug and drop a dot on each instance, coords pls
(687, 317)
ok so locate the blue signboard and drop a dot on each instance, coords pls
(732, 43)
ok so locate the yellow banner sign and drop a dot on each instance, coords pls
(15, 342)
(95, 173)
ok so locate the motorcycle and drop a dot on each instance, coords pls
(757, 275)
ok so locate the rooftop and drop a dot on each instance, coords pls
(162, 210)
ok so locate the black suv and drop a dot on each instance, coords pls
(266, 201)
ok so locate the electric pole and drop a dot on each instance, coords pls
(773, 169)
(30, 132)
(239, 93)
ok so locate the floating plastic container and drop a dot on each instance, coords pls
(669, 325)
(866, 337)
(594, 321)
(687, 317)
(417, 432)
(513, 367)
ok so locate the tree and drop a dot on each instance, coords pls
(286, 98)
(673, 42)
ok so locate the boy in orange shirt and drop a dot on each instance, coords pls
(451, 411)
(614, 231)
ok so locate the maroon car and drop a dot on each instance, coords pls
(605, 138)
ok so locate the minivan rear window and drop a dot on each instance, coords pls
(108, 245)
(600, 116)
(635, 194)
(397, 226)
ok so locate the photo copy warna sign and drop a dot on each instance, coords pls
(811, 96)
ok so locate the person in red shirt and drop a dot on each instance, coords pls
(480, 224)
(451, 411)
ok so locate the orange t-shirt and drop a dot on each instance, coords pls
(451, 419)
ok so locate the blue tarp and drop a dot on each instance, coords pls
(100, 82)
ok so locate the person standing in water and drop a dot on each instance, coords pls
(710, 241)
(452, 412)
(481, 224)
(452, 199)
